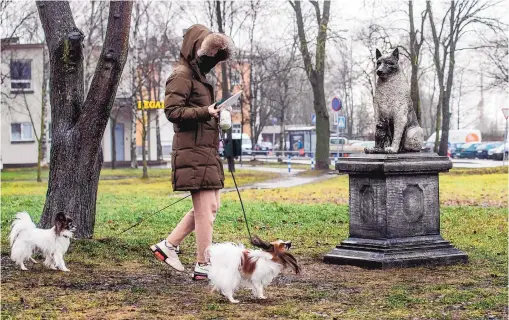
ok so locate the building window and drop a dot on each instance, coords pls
(21, 132)
(21, 75)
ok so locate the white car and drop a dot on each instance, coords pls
(247, 147)
(498, 153)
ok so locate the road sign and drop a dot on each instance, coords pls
(336, 104)
(506, 112)
(313, 118)
(342, 122)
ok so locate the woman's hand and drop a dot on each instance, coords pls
(213, 111)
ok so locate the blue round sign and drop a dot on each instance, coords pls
(336, 104)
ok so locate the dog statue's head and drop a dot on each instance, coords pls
(279, 250)
(64, 225)
(387, 65)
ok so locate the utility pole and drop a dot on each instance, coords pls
(506, 116)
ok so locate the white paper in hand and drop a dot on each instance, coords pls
(230, 101)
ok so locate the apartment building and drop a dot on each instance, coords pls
(21, 104)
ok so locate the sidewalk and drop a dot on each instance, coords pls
(287, 179)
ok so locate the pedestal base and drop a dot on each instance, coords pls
(400, 252)
(394, 212)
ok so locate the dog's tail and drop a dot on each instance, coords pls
(22, 222)
(225, 262)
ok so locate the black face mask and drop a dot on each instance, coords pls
(206, 63)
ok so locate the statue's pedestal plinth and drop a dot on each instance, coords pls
(394, 212)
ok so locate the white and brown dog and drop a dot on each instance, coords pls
(232, 266)
(53, 243)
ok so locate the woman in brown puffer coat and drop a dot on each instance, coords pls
(196, 165)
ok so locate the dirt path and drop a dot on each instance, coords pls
(149, 290)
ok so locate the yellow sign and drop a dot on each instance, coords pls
(150, 105)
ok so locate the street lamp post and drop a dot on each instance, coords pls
(506, 115)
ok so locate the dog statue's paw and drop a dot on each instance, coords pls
(390, 150)
(234, 301)
(24, 269)
(262, 297)
(65, 270)
(373, 150)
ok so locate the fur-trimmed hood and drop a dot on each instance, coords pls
(199, 41)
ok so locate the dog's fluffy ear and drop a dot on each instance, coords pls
(257, 242)
(289, 259)
(378, 54)
(395, 54)
(60, 220)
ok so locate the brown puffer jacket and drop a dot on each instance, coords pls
(195, 159)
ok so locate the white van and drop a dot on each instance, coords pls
(456, 138)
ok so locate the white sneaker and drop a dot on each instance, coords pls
(201, 271)
(166, 252)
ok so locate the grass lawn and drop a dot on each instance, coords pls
(458, 187)
(117, 278)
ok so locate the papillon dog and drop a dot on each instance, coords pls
(232, 265)
(26, 238)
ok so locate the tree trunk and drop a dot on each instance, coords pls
(446, 114)
(78, 123)
(316, 77)
(440, 77)
(414, 91)
(144, 142)
(41, 147)
(133, 66)
(224, 82)
(437, 126)
(134, 160)
(414, 60)
(282, 136)
(113, 124)
(158, 138)
(322, 128)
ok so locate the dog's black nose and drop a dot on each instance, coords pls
(288, 245)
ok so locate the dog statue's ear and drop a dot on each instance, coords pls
(257, 242)
(59, 222)
(395, 54)
(378, 54)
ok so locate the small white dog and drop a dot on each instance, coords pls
(25, 238)
(232, 265)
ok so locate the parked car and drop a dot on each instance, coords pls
(246, 145)
(467, 151)
(482, 149)
(498, 152)
(264, 147)
(358, 147)
(456, 139)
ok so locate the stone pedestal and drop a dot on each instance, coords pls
(394, 212)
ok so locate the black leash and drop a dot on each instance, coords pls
(153, 214)
(243, 210)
